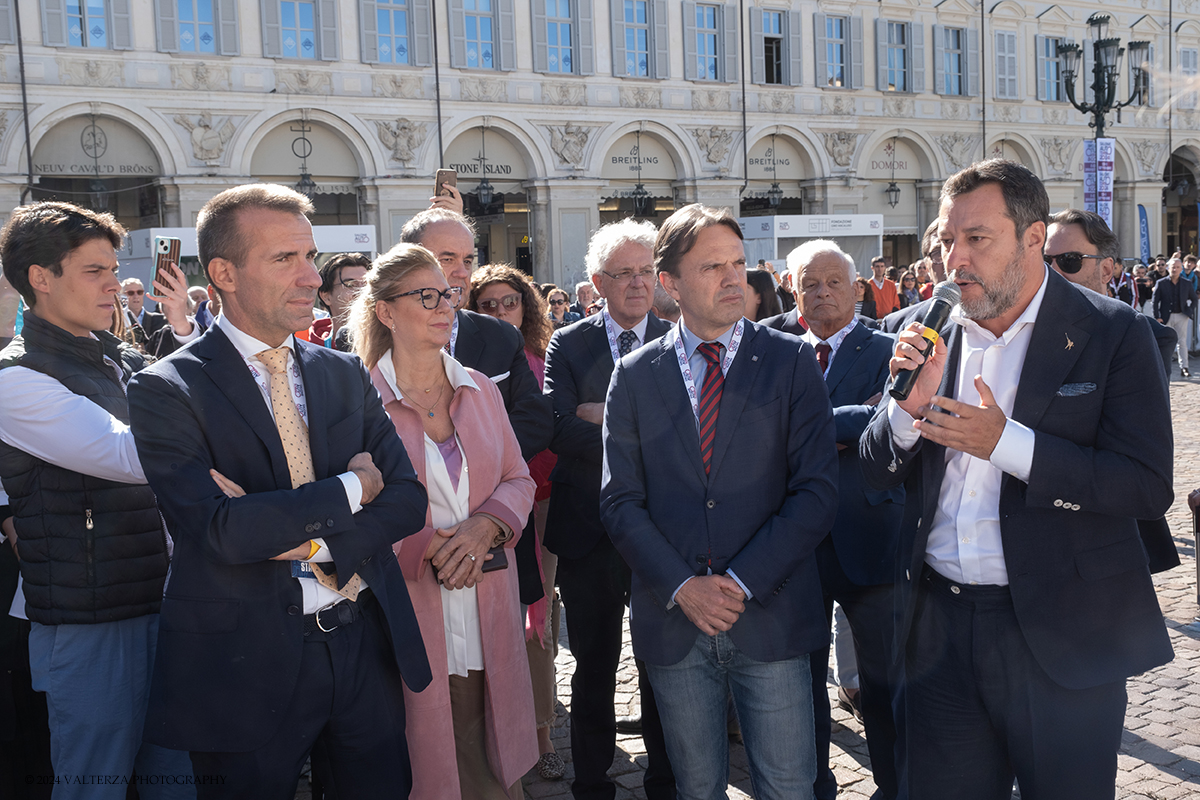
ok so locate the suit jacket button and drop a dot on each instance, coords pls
(1058, 503)
(329, 522)
(700, 559)
(293, 610)
(308, 528)
(1075, 506)
(907, 577)
(711, 503)
(316, 526)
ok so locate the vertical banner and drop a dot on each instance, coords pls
(1144, 233)
(1105, 149)
(1089, 175)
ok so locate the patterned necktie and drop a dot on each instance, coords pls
(626, 342)
(293, 433)
(823, 351)
(710, 400)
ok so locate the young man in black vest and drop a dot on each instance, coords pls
(92, 545)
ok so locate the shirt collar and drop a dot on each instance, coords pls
(455, 371)
(639, 330)
(834, 341)
(1028, 317)
(691, 341)
(246, 345)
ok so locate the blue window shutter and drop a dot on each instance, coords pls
(972, 58)
(166, 20)
(662, 41)
(821, 48)
(939, 58)
(881, 65)
(541, 57)
(758, 47)
(120, 25)
(916, 56)
(794, 47)
(585, 38)
(327, 13)
(730, 42)
(856, 53)
(690, 70)
(272, 31)
(420, 34)
(458, 35)
(507, 28)
(54, 23)
(1039, 43)
(617, 9)
(368, 32)
(229, 42)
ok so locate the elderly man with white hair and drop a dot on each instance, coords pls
(856, 559)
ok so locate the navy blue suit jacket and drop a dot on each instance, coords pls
(579, 366)
(231, 630)
(767, 502)
(1077, 569)
(867, 528)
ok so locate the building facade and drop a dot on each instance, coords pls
(566, 107)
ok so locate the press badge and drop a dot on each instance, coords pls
(303, 569)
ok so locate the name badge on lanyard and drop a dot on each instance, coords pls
(610, 329)
(303, 569)
(689, 383)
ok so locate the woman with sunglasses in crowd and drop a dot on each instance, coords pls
(509, 295)
(470, 732)
(560, 314)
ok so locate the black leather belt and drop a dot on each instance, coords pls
(330, 618)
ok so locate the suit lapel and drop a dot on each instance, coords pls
(665, 367)
(315, 397)
(735, 392)
(847, 354)
(469, 346)
(933, 460)
(224, 365)
(597, 344)
(1055, 346)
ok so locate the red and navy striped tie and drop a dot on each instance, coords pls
(710, 400)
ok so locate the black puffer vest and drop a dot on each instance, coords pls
(92, 550)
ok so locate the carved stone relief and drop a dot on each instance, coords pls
(840, 104)
(304, 81)
(568, 142)
(564, 94)
(958, 149)
(776, 102)
(954, 110)
(482, 90)
(1007, 113)
(81, 72)
(710, 100)
(402, 137)
(898, 106)
(404, 86)
(1057, 151)
(1146, 152)
(714, 142)
(200, 76)
(1056, 116)
(208, 139)
(840, 146)
(640, 97)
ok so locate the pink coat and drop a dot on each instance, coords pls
(500, 486)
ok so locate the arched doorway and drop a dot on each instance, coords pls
(1181, 222)
(491, 169)
(638, 158)
(775, 160)
(103, 164)
(900, 162)
(305, 148)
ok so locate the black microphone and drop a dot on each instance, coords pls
(946, 295)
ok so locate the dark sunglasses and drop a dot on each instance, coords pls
(509, 301)
(558, 302)
(1070, 263)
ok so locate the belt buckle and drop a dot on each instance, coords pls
(321, 627)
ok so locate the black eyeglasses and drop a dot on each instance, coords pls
(430, 298)
(509, 301)
(1070, 263)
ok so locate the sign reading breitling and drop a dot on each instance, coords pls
(622, 160)
(87, 146)
(778, 160)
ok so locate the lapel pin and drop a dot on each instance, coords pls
(1070, 344)
(754, 358)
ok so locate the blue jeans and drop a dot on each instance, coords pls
(97, 684)
(774, 705)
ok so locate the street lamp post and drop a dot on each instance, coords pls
(1106, 67)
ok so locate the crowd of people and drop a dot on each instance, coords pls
(250, 538)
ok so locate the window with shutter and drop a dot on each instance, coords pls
(635, 14)
(391, 23)
(560, 44)
(480, 34)
(1049, 69)
(836, 51)
(1187, 66)
(773, 49)
(197, 25)
(1006, 65)
(7, 23)
(950, 60)
(87, 23)
(298, 28)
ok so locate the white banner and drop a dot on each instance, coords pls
(1104, 179)
(1089, 174)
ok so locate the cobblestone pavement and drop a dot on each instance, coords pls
(1160, 752)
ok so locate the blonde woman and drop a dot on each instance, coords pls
(471, 732)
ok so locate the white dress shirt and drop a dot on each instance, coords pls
(447, 508)
(639, 330)
(316, 596)
(834, 341)
(964, 543)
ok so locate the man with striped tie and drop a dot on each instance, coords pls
(719, 481)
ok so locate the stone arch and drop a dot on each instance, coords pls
(684, 159)
(811, 162)
(367, 159)
(928, 161)
(168, 151)
(1008, 8)
(526, 144)
(1017, 147)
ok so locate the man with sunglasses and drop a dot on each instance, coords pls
(1173, 302)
